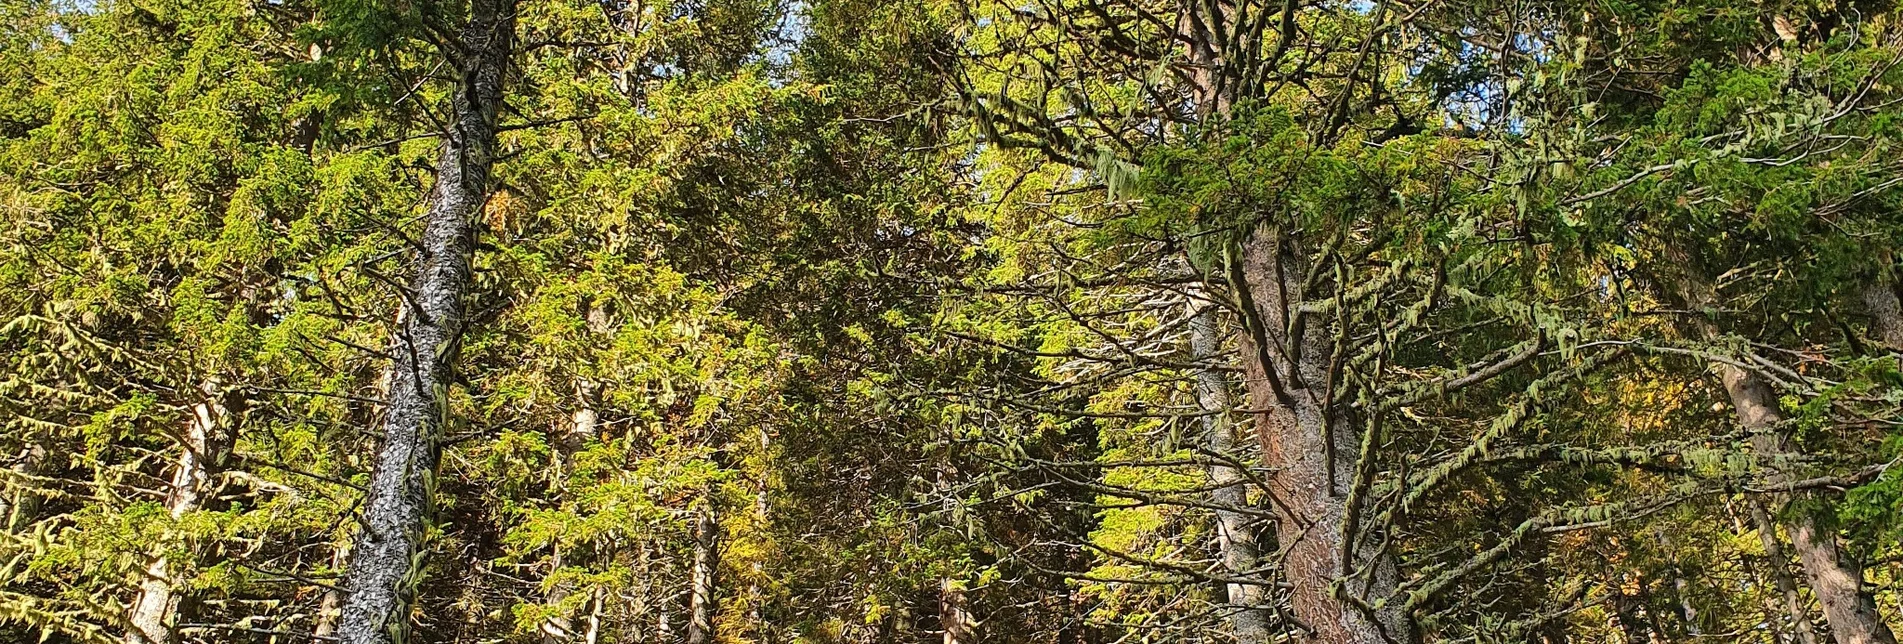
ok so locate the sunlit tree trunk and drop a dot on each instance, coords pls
(1833, 577)
(1311, 453)
(20, 502)
(953, 615)
(153, 615)
(1779, 564)
(1235, 530)
(700, 600)
(385, 562)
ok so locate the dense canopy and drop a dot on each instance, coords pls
(1040, 321)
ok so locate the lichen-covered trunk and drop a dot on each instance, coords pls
(700, 600)
(153, 615)
(385, 562)
(1311, 455)
(1836, 580)
(1235, 530)
(1780, 566)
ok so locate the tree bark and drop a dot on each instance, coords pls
(1886, 313)
(1312, 456)
(19, 504)
(952, 614)
(700, 601)
(154, 610)
(1235, 532)
(1806, 632)
(384, 566)
(1834, 578)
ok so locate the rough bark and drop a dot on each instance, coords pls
(1312, 456)
(700, 600)
(1235, 532)
(153, 614)
(1834, 577)
(384, 566)
(1886, 313)
(1780, 565)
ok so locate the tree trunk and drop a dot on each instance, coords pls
(153, 612)
(1886, 313)
(582, 431)
(952, 614)
(21, 501)
(331, 606)
(1311, 455)
(1780, 566)
(1235, 532)
(384, 566)
(700, 601)
(1834, 578)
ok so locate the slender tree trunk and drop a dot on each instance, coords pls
(20, 502)
(1681, 587)
(1312, 454)
(700, 601)
(1834, 577)
(1837, 581)
(581, 431)
(1806, 633)
(153, 612)
(1235, 532)
(384, 566)
(331, 606)
(953, 615)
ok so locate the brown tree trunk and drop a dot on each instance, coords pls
(1311, 455)
(399, 500)
(1780, 565)
(700, 600)
(952, 613)
(1834, 578)
(154, 610)
(1235, 531)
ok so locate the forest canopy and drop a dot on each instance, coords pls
(1041, 321)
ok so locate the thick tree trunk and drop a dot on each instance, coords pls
(700, 600)
(1834, 578)
(1780, 565)
(1235, 532)
(1886, 313)
(1311, 456)
(153, 614)
(384, 566)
